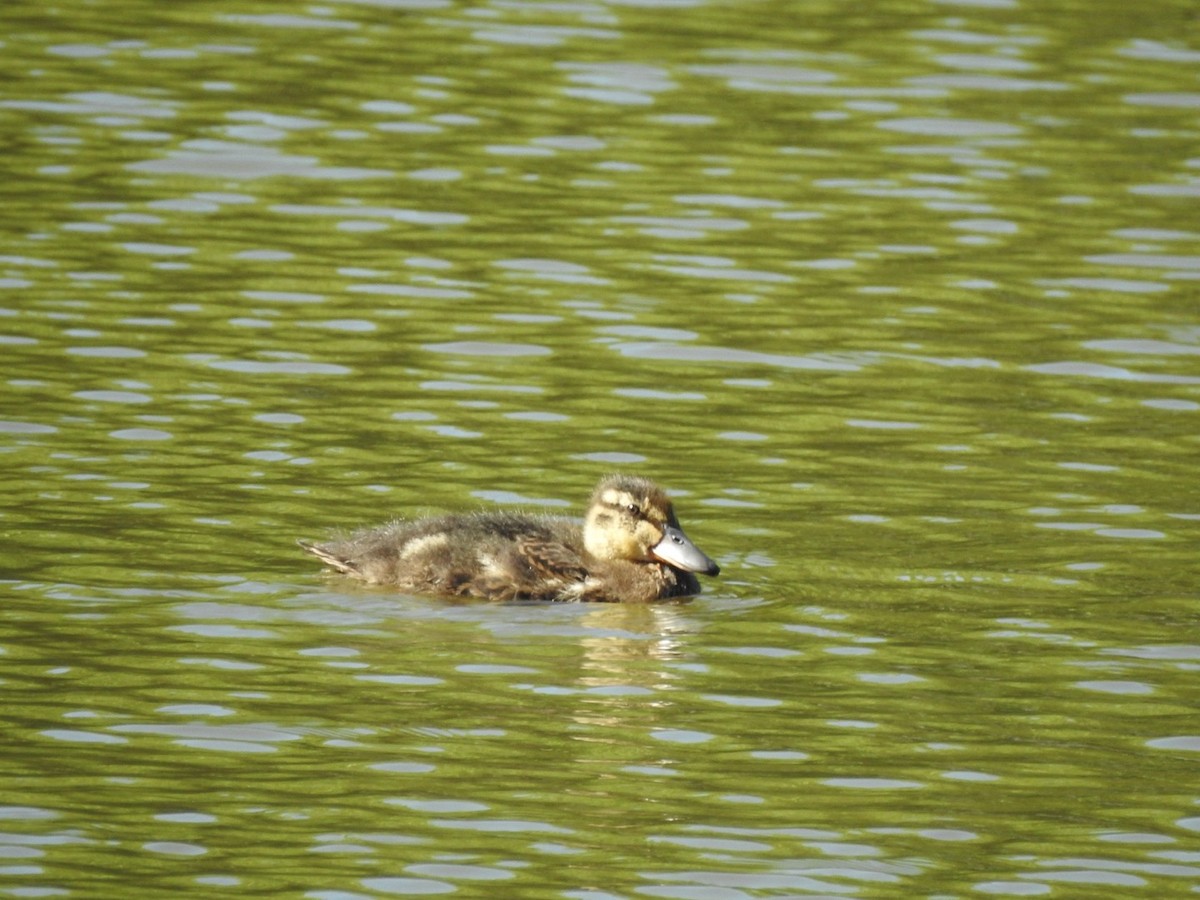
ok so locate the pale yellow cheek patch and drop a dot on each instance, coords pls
(630, 546)
(648, 534)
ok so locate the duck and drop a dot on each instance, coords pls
(630, 548)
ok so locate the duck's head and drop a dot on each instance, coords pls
(632, 518)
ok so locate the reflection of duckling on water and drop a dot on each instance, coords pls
(629, 548)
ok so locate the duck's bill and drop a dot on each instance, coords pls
(676, 550)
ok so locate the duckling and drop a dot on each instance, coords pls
(630, 548)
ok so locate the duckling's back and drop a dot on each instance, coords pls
(498, 556)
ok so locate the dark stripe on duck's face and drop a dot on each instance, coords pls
(634, 507)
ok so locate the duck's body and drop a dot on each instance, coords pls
(630, 548)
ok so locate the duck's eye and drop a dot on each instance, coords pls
(633, 509)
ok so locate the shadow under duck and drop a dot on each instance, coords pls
(630, 548)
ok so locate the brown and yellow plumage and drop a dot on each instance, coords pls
(630, 548)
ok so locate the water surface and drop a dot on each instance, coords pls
(898, 300)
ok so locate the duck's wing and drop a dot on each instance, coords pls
(535, 567)
(551, 559)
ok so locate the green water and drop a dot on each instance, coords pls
(899, 300)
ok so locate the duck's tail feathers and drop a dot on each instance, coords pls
(327, 556)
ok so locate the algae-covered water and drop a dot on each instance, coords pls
(898, 299)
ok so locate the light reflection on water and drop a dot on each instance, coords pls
(898, 303)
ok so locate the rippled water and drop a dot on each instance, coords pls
(900, 301)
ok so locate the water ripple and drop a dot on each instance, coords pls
(488, 348)
(673, 351)
(233, 160)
